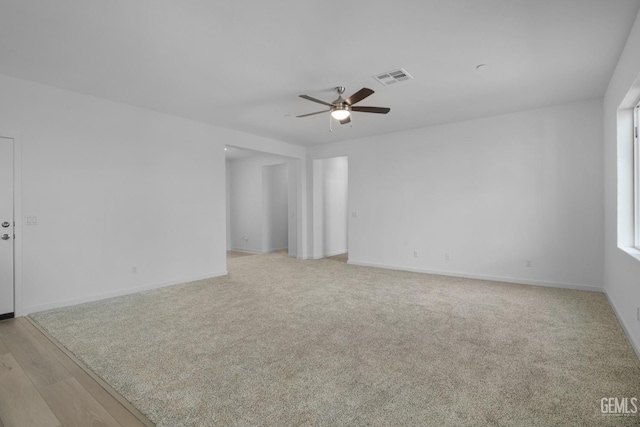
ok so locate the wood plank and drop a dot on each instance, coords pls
(3, 350)
(74, 406)
(121, 413)
(20, 402)
(42, 369)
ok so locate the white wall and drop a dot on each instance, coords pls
(246, 201)
(622, 268)
(113, 187)
(330, 209)
(275, 207)
(116, 186)
(492, 193)
(294, 206)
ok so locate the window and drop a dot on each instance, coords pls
(628, 173)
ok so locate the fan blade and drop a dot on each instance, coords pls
(379, 110)
(309, 98)
(345, 121)
(358, 96)
(313, 114)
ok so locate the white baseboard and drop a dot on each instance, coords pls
(249, 251)
(246, 251)
(328, 254)
(274, 250)
(483, 277)
(116, 293)
(635, 345)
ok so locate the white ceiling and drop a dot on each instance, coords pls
(242, 64)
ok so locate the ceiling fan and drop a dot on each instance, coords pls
(341, 109)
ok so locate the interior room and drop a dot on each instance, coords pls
(261, 202)
(320, 213)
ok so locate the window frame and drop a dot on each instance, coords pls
(636, 177)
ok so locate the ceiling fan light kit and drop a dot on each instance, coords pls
(341, 109)
(340, 112)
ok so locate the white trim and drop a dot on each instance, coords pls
(274, 250)
(520, 281)
(249, 251)
(17, 217)
(17, 209)
(635, 345)
(631, 251)
(246, 251)
(330, 254)
(117, 293)
(636, 177)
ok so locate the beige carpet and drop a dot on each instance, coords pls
(281, 342)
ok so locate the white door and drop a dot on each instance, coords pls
(6, 227)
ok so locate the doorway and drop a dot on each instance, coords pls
(7, 229)
(262, 202)
(330, 206)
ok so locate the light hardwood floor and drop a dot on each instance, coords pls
(42, 386)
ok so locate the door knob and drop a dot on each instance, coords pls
(5, 224)
(5, 237)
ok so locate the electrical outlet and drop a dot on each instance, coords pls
(134, 270)
(415, 254)
(447, 257)
(529, 263)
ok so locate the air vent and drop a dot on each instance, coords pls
(393, 77)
